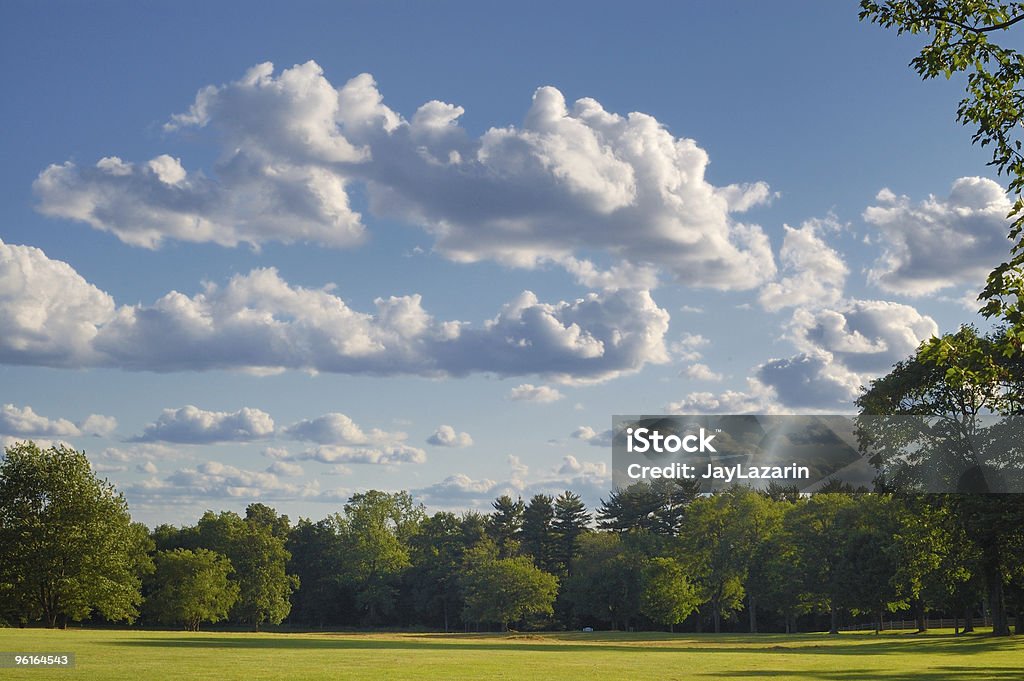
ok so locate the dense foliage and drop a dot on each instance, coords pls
(737, 560)
(190, 588)
(68, 547)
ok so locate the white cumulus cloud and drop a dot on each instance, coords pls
(527, 392)
(756, 399)
(569, 177)
(49, 314)
(459, 489)
(940, 242)
(25, 422)
(840, 350)
(813, 273)
(593, 437)
(862, 335)
(217, 480)
(573, 466)
(285, 469)
(447, 436)
(259, 322)
(686, 348)
(192, 425)
(701, 372)
(338, 429)
(98, 425)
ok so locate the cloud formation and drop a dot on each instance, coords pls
(686, 348)
(757, 399)
(841, 349)
(593, 437)
(213, 479)
(459, 490)
(842, 343)
(341, 440)
(25, 422)
(866, 336)
(257, 321)
(591, 480)
(50, 315)
(527, 392)
(940, 242)
(810, 382)
(446, 436)
(701, 372)
(385, 454)
(192, 425)
(813, 273)
(573, 466)
(285, 469)
(570, 177)
(142, 452)
(255, 200)
(338, 429)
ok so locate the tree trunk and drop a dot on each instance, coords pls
(1019, 616)
(444, 604)
(956, 624)
(878, 623)
(716, 615)
(968, 620)
(752, 606)
(833, 627)
(1000, 623)
(922, 625)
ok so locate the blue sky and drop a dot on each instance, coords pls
(236, 269)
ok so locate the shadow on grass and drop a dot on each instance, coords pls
(563, 643)
(935, 674)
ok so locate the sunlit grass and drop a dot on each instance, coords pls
(109, 654)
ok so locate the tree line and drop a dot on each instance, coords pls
(652, 556)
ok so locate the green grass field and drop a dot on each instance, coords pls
(105, 654)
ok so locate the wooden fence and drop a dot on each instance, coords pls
(911, 624)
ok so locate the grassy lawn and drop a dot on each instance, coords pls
(104, 654)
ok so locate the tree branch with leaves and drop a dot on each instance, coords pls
(963, 34)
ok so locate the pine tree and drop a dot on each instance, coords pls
(571, 520)
(538, 532)
(505, 525)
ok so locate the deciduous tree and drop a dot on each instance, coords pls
(190, 588)
(375, 529)
(505, 590)
(668, 597)
(68, 547)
